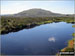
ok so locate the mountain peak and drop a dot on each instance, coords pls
(38, 9)
(37, 12)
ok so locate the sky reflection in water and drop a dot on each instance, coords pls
(41, 40)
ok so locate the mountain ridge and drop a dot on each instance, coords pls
(38, 12)
(35, 12)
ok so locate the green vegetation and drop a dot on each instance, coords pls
(69, 48)
(73, 34)
(9, 24)
(73, 26)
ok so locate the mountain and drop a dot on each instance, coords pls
(37, 13)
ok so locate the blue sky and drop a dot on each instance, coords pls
(12, 7)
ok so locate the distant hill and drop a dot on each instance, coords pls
(38, 13)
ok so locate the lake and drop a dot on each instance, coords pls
(46, 39)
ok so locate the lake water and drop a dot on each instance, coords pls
(46, 39)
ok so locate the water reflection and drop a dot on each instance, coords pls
(45, 39)
(52, 39)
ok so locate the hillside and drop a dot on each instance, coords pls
(30, 18)
(37, 13)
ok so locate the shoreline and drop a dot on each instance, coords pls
(13, 24)
(28, 26)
